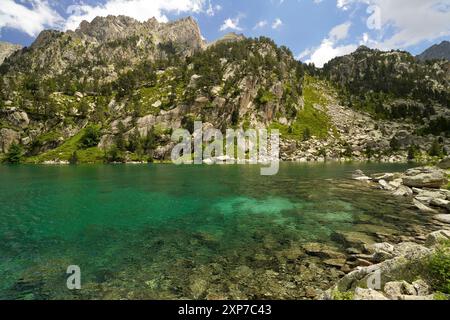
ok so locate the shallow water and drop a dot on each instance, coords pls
(167, 232)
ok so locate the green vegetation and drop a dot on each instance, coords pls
(373, 80)
(438, 268)
(14, 154)
(264, 97)
(66, 151)
(90, 138)
(337, 295)
(311, 120)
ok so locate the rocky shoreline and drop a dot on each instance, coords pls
(388, 271)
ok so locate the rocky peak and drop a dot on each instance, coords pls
(438, 51)
(230, 37)
(184, 32)
(45, 38)
(7, 49)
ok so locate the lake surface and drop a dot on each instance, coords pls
(168, 232)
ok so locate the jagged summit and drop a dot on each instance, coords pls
(437, 51)
(111, 28)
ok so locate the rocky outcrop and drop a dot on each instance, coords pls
(7, 49)
(425, 177)
(393, 278)
(7, 138)
(422, 185)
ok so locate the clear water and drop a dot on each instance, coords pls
(168, 232)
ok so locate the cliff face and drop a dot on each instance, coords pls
(7, 49)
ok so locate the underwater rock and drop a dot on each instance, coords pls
(322, 251)
(352, 238)
(360, 176)
(338, 263)
(419, 205)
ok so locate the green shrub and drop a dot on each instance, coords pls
(337, 295)
(15, 154)
(440, 296)
(90, 138)
(114, 155)
(73, 158)
(438, 268)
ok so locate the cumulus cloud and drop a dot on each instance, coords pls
(410, 21)
(141, 10)
(327, 51)
(330, 48)
(31, 18)
(231, 24)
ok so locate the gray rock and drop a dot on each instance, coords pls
(435, 237)
(360, 176)
(425, 177)
(385, 185)
(444, 164)
(419, 205)
(421, 287)
(416, 298)
(445, 218)
(403, 191)
(19, 119)
(352, 238)
(323, 251)
(410, 250)
(395, 289)
(7, 138)
(389, 270)
(368, 294)
(445, 204)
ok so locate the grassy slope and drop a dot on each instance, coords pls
(316, 120)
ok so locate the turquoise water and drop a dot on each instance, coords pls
(168, 232)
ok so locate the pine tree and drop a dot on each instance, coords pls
(14, 154)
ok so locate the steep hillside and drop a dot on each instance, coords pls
(394, 85)
(130, 84)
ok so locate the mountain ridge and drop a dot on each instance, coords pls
(114, 89)
(437, 51)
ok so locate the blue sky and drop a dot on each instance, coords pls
(315, 30)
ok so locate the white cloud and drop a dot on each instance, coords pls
(277, 23)
(327, 51)
(260, 24)
(330, 48)
(231, 24)
(412, 21)
(30, 19)
(340, 32)
(141, 10)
